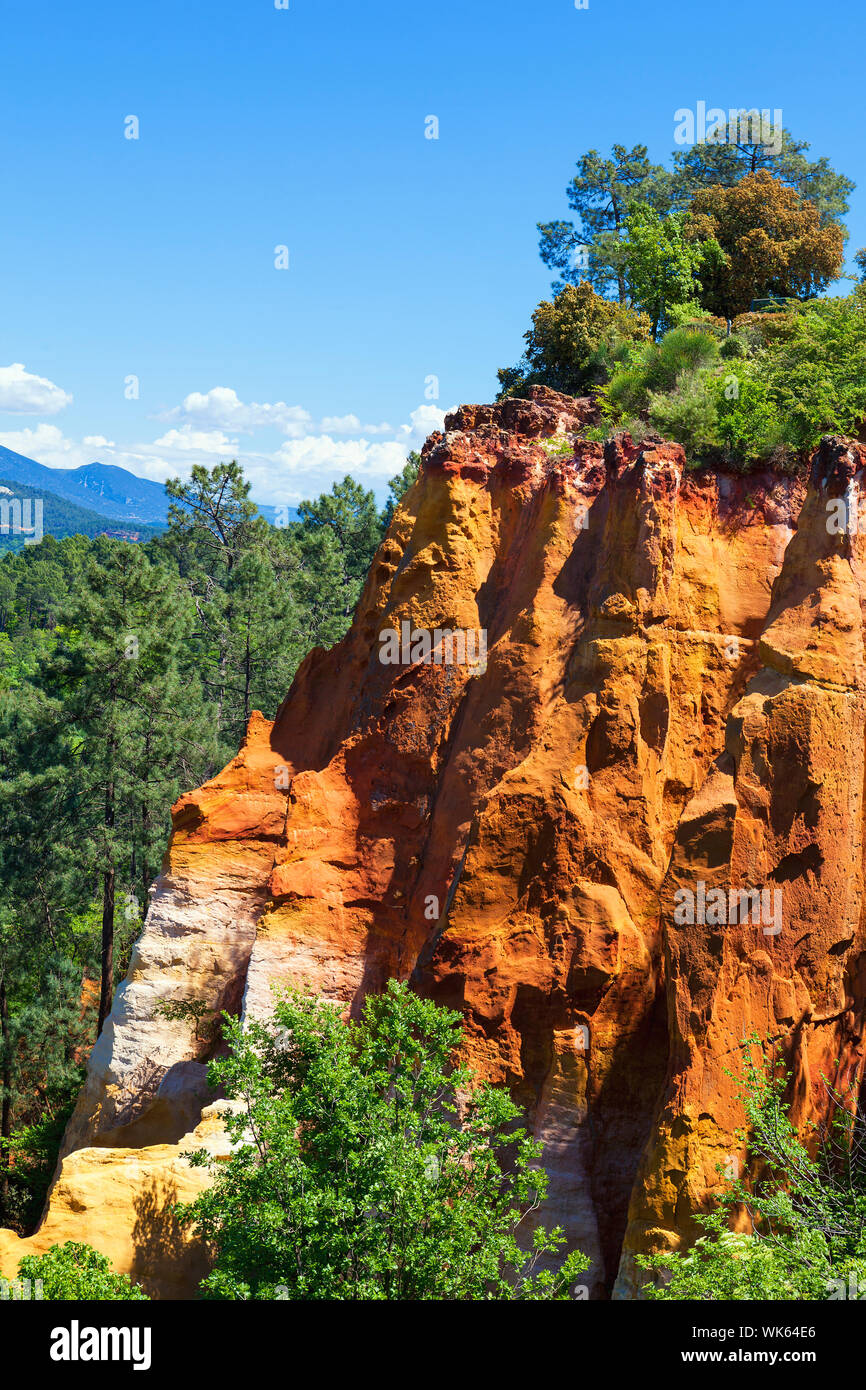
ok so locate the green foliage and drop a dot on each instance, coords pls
(349, 513)
(770, 243)
(572, 342)
(805, 1210)
(768, 392)
(687, 413)
(399, 486)
(656, 368)
(747, 418)
(128, 674)
(604, 189)
(707, 163)
(74, 1272)
(212, 510)
(33, 1151)
(600, 193)
(365, 1166)
(663, 265)
(60, 518)
(815, 369)
(44, 1034)
(689, 314)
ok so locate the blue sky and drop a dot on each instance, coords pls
(409, 258)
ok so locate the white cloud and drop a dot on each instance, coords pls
(46, 444)
(22, 393)
(222, 407)
(174, 453)
(338, 457)
(350, 424)
(311, 457)
(189, 440)
(341, 424)
(301, 466)
(423, 421)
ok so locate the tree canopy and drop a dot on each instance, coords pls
(367, 1163)
(774, 243)
(128, 674)
(572, 341)
(605, 188)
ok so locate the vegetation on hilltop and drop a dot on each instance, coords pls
(684, 254)
(766, 393)
(60, 517)
(604, 190)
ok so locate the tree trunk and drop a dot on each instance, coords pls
(617, 226)
(145, 867)
(106, 987)
(6, 1107)
(145, 828)
(221, 686)
(248, 676)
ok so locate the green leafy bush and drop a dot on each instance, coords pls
(767, 392)
(815, 370)
(367, 1165)
(664, 263)
(656, 368)
(687, 413)
(73, 1272)
(33, 1151)
(806, 1211)
(747, 420)
(573, 342)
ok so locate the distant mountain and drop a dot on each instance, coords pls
(98, 487)
(19, 519)
(102, 488)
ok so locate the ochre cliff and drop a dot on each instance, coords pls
(673, 694)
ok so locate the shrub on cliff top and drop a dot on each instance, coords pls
(365, 1167)
(572, 342)
(774, 387)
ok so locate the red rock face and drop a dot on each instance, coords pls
(671, 703)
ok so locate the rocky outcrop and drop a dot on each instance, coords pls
(669, 700)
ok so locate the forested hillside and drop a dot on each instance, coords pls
(127, 675)
(21, 524)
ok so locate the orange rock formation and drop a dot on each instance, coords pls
(672, 698)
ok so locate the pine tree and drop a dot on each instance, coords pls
(114, 703)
